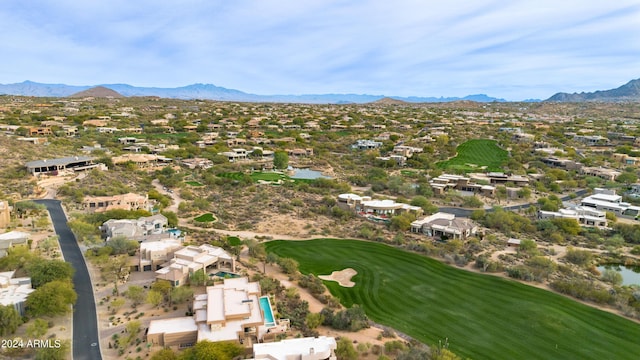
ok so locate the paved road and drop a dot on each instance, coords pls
(86, 342)
(462, 212)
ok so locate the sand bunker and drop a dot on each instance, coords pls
(343, 277)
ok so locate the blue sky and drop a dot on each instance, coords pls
(513, 49)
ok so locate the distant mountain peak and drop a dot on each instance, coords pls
(211, 92)
(389, 101)
(627, 92)
(97, 92)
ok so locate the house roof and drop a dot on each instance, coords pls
(58, 162)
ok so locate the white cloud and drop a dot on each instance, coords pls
(516, 50)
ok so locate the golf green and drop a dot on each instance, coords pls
(482, 316)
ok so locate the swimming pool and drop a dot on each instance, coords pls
(265, 305)
(226, 274)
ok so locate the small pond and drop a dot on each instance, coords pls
(307, 174)
(630, 274)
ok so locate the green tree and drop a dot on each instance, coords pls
(181, 294)
(122, 245)
(136, 294)
(44, 271)
(154, 298)
(18, 258)
(37, 328)
(314, 320)
(84, 232)
(132, 328)
(164, 354)
(198, 278)
(611, 276)
(402, 222)
(9, 320)
(54, 353)
(578, 257)
(288, 265)
(501, 193)
(524, 193)
(627, 178)
(116, 270)
(424, 203)
(280, 160)
(172, 218)
(52, 298)
(222, 350)
(345, 350)
(116, 304)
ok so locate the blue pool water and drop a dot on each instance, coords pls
(174, 232)
(265, 304)
(223, 274)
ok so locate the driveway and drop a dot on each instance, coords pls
(86, 342)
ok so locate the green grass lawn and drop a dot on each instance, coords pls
(481, 152)
(205, 218)
(482, 316)
(234, 240)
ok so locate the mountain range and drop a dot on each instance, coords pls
(627, 92)
(212, 92)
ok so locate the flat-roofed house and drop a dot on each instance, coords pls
(14, 291)
(153, 254)
(136, 229)
(129, 201)
(607, 200)
(584, 215)
(12, 238)
(76, 163)
(320, 348)
(445, 225)
(190, 259)
(375, 209)
(231, 311)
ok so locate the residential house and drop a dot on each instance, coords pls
(444, 225)
(607, 200)
(14, 291)
(136, 229)
(129, 201)
(140, 160)
(366, 145)
(12, 238)
(601, 172)
(584, 215)
(309, 348)
(197, 163)
(300, 152)
(444, 182)
(561, 163)
(236, 154)
(190, 259)
(157, 252)
(375, 209)
(75, 163)
(231, 311)
(40, 131)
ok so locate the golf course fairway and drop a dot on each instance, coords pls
(482, 316)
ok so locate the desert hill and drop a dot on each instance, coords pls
(627, 92)
(97, 92)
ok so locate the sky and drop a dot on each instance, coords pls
(510, 49)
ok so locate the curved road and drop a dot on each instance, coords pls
(85, 342)
(463, 212)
